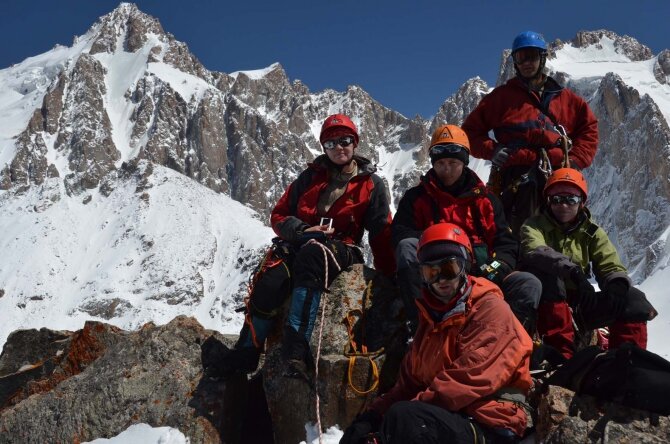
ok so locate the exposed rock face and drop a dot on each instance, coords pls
(662, 67)
(101, 379)
(382, 326)
(625, 45)
(564, 417)
(633, 155)
(151, 376)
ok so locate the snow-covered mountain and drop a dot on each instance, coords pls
(135, 183)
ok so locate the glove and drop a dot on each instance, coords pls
(364, 424)
(587, 299)
(495, 271)
(617, 292)
(500, 157)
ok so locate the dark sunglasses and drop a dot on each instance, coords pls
(449, 268)
(450, 148)
(342, 141)
(526, 55)
(570, 199)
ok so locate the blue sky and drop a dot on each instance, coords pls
(409, 55)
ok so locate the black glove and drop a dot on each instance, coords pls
(500, 157)
(495, 271)
(617, 292)
(587, 298)
(359, 430)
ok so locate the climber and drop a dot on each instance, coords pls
(452, 192)
(320, 221)
(562, 246)
(537, 125)
(466, 374)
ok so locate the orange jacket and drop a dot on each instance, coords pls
(460, 362)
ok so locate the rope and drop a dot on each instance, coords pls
(354, 353)
(326, 252)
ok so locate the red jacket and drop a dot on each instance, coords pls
(472, 208)
(462, 360)
(512, 112)
(364, 205)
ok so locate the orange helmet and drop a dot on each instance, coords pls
(568, 176)
(439, 235)
(335, 124)
(448, 135)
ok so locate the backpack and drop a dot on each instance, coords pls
(628, 375)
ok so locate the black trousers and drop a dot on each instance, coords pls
(304, 267)
(409, 422)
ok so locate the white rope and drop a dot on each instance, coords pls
(326, 252)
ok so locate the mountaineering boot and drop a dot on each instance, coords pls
(297, 355)
(245, 356)
(409, 285)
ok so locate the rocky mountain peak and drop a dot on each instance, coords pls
(625, 45)
(125, 21)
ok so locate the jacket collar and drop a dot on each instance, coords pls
(472, 186)
(365, 167)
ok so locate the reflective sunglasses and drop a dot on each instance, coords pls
(342, 141)
(449, 268)
(450, 148)
(526, 55)
(570, 199)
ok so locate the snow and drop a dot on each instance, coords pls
(68, 255)
(145, 434)
(256, 74)
(62, 257)
(592, 61)
(123, 70)
(23, 86)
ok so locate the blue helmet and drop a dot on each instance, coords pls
(529, 39)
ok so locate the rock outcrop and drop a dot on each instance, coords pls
(58, 386)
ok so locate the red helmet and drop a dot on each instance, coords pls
(443, 233)
(337, 121)
(568, 176)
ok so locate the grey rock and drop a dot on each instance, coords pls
(292, 402)
(565, 417)
(108, 379)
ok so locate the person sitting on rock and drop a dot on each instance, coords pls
(452, 192)
(342, 187)
(465, 376)
(561, 246)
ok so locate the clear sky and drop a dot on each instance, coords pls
(410, 55)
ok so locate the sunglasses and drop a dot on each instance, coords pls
(450, 148)
(526, 55)
(342, 141)
(570, 199)
(449, 269)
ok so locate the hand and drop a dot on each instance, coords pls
(617, 292)
(322, 228)
(496, 271)
(364, 424)
(587, 298)
(500, 157)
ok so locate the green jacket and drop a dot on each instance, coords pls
(552, 249)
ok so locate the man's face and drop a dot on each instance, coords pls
(527, 61)
(448, 170)
(445, 289)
